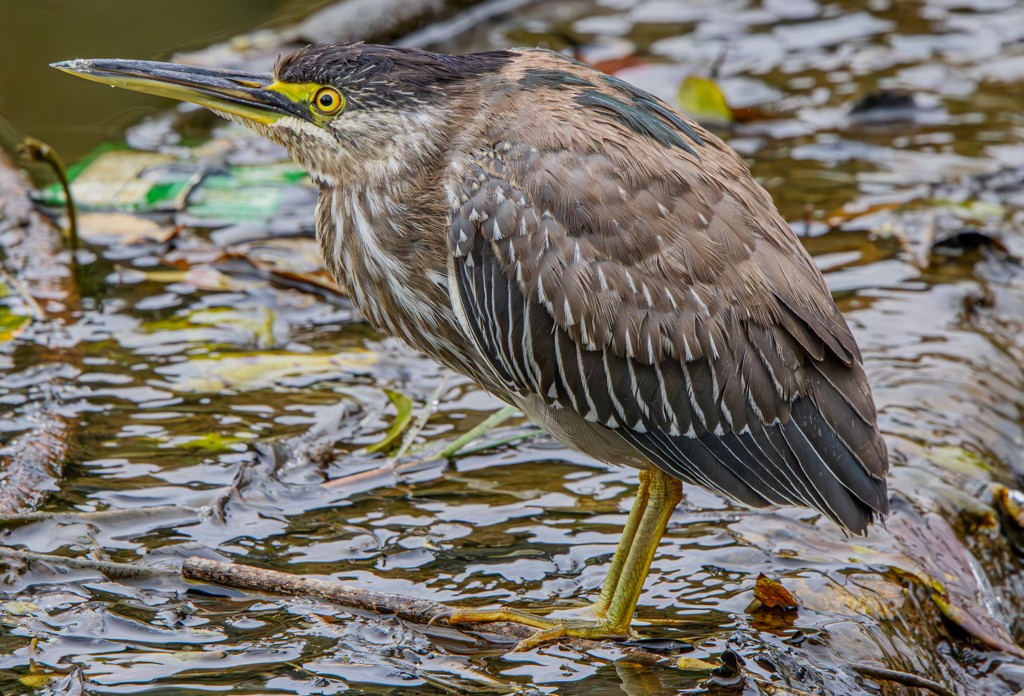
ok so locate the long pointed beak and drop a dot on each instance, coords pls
(236, 93)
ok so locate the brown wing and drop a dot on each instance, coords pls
(659, 294)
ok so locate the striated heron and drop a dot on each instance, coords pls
(586, 253)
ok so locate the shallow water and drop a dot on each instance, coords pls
(185, 359)
(73, 116)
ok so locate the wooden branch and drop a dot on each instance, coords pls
(245, 577)
(421, 611)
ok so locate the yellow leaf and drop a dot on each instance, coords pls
(16, 608)
(36, 681)
(693, 664)
(702, 99)
(11, 325)
(202, 278)
(258, 371)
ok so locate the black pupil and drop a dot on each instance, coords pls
(326, 100)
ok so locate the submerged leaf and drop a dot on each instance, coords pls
(18, 608)
(693, 664)
(127, 180)
(122, 228)
(12, 321)
(294, 259)
(36, 681)
(256, 322)
(219, 442)
(202, 278)
(11, 324)
(950, 574)
(248, 372)
(959, 460)
(403, 406)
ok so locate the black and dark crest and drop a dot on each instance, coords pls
(375, 76)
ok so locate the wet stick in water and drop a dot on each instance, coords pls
(101, 516)
(904, 678)
(245, 577)
(415, 610)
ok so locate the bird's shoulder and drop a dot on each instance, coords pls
(629, 218)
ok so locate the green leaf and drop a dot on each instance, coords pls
(403, 405)
(11, 324)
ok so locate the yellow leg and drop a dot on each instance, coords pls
(656, 499)
(600, 607)
(664, 494)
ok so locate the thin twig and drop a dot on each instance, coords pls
(450, 451)
(904, 678)
(485, 426)
(32, 150)
(515, 437)
(384, 469)
(245, 577)
(420, 611)
(23, 293)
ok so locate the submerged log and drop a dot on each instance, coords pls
(35, 258)
(374, 21)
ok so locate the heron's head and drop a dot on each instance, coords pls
(344, 111)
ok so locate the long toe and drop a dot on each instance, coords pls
(549, 628)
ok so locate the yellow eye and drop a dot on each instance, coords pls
(328, 100)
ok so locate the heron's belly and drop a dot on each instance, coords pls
(572, 430)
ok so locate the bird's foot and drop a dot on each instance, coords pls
(549, 628)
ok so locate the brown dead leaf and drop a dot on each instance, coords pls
(295, 260)
(1010, 502)
(772, 595)
(614, 65)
